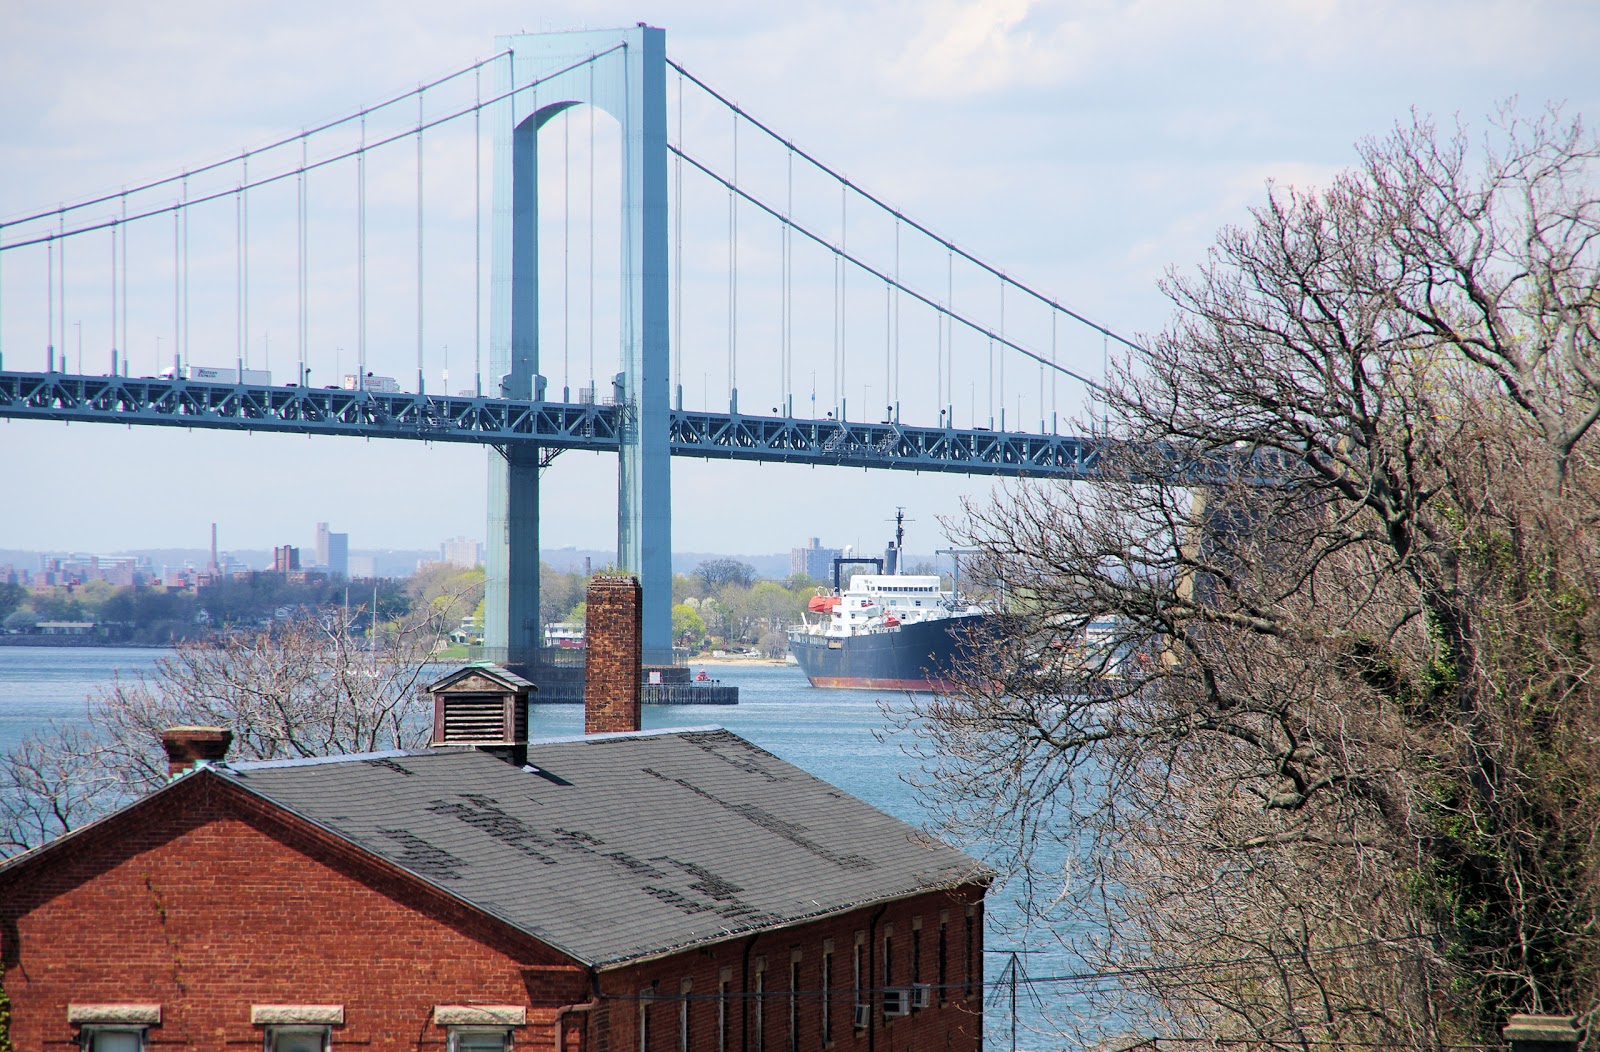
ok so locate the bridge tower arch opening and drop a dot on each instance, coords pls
(622, 72)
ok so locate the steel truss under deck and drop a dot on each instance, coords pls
(555, 425)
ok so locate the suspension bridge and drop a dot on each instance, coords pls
(856, 286)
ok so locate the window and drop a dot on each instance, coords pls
(944, 969)
(794, 1005)
(645, 997)
(827, 995)
(112, 1039)
(916, 951)
(297, 1038)
(722, 1013)
(760, 1043)
(485, 1039)
(685, 993)
(855, 984)
(966, 986)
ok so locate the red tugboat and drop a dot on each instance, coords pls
(887, 630)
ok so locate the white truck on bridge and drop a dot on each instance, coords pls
(214, 375)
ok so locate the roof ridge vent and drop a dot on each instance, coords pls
(483, 706)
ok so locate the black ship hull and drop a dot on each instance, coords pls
(922, 656)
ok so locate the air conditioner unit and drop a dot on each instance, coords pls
(920, 995)
(863, 1016)
(897, 1001)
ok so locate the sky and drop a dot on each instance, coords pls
(1085, 148)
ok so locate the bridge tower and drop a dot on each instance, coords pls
(622, 72)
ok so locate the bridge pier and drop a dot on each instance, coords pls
(512, 628)
(622, 72)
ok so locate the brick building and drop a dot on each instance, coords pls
(661, 891)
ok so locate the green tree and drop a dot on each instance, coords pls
(688, 627)
(12, 596)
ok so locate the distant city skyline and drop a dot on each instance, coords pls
(1084, 148)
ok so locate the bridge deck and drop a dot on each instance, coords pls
(554, 425)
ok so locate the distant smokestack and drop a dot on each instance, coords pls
(213, 547)
(613, 632)
(188, 745)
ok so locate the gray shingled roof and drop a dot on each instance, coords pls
(616, 847)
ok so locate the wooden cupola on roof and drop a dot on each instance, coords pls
(485, 707)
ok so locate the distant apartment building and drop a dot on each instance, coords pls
(285, 559)
(815, 561)
(363, 566)
(461, 551)
(333, 551)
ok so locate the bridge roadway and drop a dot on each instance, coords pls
(550, 425)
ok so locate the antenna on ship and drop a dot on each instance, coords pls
(896, 551)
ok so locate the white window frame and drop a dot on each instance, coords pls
(453, 1042)
(274, 1030)
(87, 1033)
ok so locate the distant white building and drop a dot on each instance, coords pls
(815, 561)
(461, 551)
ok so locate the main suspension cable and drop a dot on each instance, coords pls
(925, 231)
(842, 255)
(203, 169)
(325, 162)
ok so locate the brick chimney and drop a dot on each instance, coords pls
(612, 675)
(187, 746)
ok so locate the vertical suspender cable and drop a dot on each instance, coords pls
(788, 294)
(837, 324)
(896, 398)
(244, 250)
(61, 274)
(844, 305)
(361, 258)
(184, 348)
(733, 277)
(50, 305)
(1053, 418)
(124, 340)
(592, 385)
(1041, 370)
(421, 383)
(566, 258)
(113, 299)
(238, 286)
(177, 281)
(300, 268)
(677, 252)
(1002, 353)
(888, 348)
(477, 231)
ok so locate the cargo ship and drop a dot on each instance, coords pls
(887, 630)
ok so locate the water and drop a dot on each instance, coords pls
(838, 735)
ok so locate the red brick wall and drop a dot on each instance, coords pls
(206, 903)
(207, 913)
(950, 1024)
(613, 629)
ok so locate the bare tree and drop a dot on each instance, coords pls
(1304, 686)
(300, 689)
